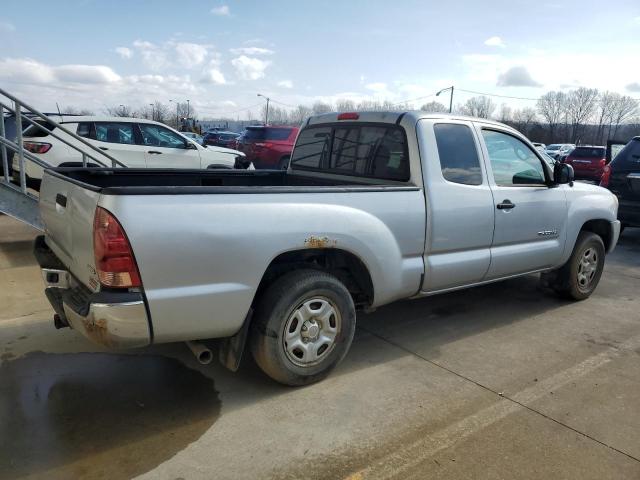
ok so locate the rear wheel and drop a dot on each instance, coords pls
(303, 326)
(579, 277)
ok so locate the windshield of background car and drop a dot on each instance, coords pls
(266, 134)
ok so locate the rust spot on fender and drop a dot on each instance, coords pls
(320, 242)
(97, 331)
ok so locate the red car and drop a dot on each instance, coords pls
(268, 147)
(588, 162)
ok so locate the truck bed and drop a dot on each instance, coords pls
(148, 181)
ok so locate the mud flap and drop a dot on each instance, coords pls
(231, 349)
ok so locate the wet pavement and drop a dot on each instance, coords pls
(502, 381)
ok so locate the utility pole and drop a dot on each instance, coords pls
(152, 111)
(266, 113)
(450, 98)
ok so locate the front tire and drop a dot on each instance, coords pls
(303, 327)
(579, 277)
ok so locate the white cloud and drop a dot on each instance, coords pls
(26, 70)
(6, 27)
(285, 84)
(153, 56)
(213, 75)
(494, 42)
(637, 20)
(222, 10)
(251, 51)
(633, 87)
(124, 52)
(191, 54)
(517, 76)
(377, 87)
(249, 68)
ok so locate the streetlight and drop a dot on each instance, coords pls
(152, 111)
(188, 110)
(266, 113)
(122, 114)
(450, 99)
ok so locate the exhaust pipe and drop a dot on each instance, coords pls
(201, 352)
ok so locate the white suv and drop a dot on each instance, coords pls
(135, 142)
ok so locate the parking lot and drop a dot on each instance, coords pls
(502, 381)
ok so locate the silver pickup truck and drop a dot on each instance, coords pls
(373, 208)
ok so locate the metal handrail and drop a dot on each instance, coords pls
(17, 111)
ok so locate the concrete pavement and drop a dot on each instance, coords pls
(502, 381)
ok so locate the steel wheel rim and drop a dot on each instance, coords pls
(587, 268)
(310, 332)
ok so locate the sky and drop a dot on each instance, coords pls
(220, 54)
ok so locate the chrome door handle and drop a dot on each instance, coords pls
(506, 205)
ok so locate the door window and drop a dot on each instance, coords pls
(458, 155)
(512, 161)
(112, 132)
(157, 136)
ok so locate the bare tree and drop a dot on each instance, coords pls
(119, 111)
(481, 107)
(71, 110)
(552, 106)
(299, 114)
(581, 104)
(624, 108)
(604, 112)
(321, 107)
(434, 107)
(524, 119)
(505, 114)
(344, 105)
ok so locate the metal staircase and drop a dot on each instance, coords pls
(16, 199)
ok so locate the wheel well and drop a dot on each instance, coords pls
(601, 228)
(346, 266)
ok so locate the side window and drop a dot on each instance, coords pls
(629, 156)
(312, 147)
(86, 130)
(512, 161)
(157, 136)
(114, 132)
(458, 155)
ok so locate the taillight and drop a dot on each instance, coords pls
(36, 147)
(602, 162)
(606, 176)
(114, 260)
(349, 116)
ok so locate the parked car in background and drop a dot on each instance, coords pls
(375, 207)
(194, 136)
(557, 150)
(268, 147)
(221, 139)
(539, 145)
(622, 177)
(133, 141)
(587, 161)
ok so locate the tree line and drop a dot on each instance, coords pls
(581, 116)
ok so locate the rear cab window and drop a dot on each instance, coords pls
(364, 150)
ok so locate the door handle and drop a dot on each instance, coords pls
(155, 152)
(61, 203)
(103, 148)
(506, 205)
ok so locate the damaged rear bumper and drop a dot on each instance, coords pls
(110, 319)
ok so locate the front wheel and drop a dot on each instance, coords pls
(303, 327)
(579, 277)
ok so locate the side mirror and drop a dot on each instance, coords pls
(191, 146)
(563, 173)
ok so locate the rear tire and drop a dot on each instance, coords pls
(303, 327)
(579, 277)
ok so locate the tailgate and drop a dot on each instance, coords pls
(67, 210)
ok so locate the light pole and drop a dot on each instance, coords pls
(188, 110)
(450, 98)
(266, 113)
(122, 112)
(152, 111)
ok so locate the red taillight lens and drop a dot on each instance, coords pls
(114, 260)
(349, 116)
(602, 162)
(36, 147)
(606, 176)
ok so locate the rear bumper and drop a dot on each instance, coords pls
(110, 319)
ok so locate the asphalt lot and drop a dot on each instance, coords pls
(502, 381)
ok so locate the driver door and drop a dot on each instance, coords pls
(530, 215)
(167, 149)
